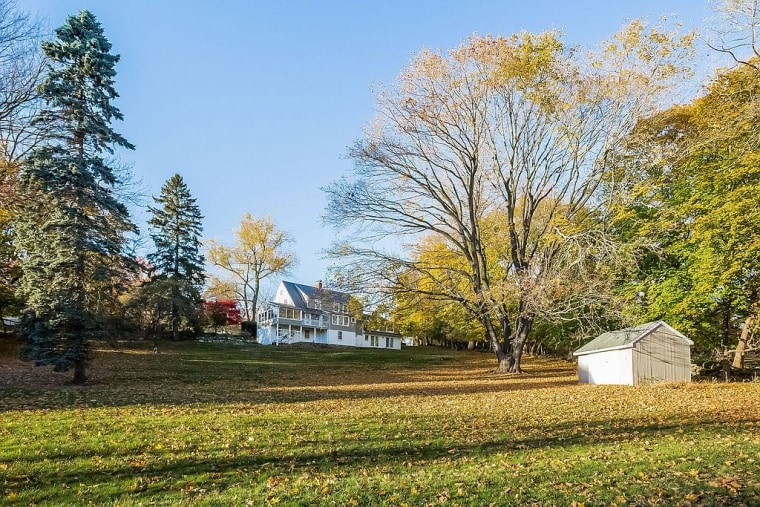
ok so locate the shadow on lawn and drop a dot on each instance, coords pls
(292, 461)
(191, 374)
(90, 396)
(398, 389)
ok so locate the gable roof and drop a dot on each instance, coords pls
(300, 293)
(626, 338)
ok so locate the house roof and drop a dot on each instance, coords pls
(626, 338)
(299, 293)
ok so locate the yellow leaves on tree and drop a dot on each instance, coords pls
(260, 252)
(519, 128)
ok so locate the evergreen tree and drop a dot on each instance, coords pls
(72, 230)
(177, 227)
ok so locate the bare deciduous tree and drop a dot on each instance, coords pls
(21, 70)
(737, 31)
(519, 128)
(21, 67)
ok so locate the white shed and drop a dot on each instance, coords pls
(652, 352)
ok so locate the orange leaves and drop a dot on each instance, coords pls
(138, 463)
(731, 484)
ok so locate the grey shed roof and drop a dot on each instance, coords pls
(625, 338)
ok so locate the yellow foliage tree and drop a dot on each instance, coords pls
(519, 126)
(260, 252)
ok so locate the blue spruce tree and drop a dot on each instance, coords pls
(72, 231)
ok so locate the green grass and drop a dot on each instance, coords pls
(204, 424)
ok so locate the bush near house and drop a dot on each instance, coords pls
(222, 312)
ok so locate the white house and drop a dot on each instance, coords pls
(312, 314)
(652, 352)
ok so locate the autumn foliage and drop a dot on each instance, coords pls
(222, 312)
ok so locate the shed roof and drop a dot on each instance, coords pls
(626, 338)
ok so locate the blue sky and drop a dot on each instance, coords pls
(254, 103)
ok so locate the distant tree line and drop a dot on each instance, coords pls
(515, 192)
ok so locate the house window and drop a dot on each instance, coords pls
(318, 304)
(374, 341)
(353, 320)
(344, 308)
(336, 307)
(290, 313)
(388, 342)
(340, 320)
(340, 335)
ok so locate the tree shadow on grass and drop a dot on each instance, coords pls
(251, 393)
(372, 453)
(123, 379)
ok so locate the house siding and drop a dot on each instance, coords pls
(322, 315)
(378, 340)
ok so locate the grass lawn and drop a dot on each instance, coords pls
(204, 424)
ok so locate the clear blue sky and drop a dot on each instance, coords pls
(255, 102)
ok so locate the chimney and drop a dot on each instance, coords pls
(318, 284)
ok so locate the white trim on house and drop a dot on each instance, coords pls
(311, 324)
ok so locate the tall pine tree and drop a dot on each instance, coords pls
(177, 262)
(72, 231)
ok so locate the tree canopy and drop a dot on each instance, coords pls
(519, 128)
(260, 252)
(693, 196)
(72, 229)
(176, 260)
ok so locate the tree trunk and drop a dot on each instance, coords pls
(509, 353)
(79, 374)
(749, 323)
(175, 322)
(500, 347)
(524, 325)
(505, 363)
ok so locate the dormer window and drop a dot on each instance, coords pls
(336, 307)
(317, 304)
